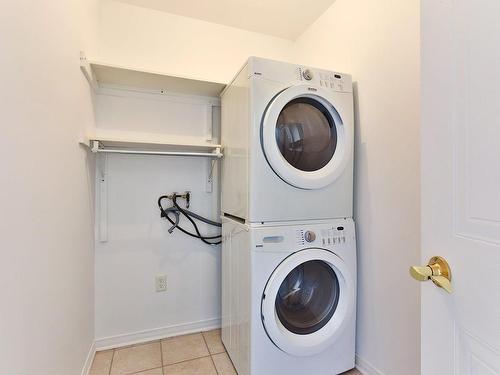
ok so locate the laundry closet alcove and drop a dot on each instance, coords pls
(155, 134)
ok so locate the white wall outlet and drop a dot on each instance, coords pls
(161, 283)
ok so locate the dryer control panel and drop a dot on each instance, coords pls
(292, 74)
(324, 78)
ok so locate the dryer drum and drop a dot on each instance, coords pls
(306, 134)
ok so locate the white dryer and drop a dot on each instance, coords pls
(287, 134)
(289, 297)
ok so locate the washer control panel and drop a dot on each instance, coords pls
(327, 234)
(330, 236)
(333, 236)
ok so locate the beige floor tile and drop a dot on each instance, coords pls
(136, 358)
(183, 348)
(214, 341)
(155, 371)
(223, 364)
(102, 363)
(200, 366)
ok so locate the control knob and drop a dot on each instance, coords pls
(307, 74)
(309, 236)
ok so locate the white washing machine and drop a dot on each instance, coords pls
(289, 297)
(287, 134)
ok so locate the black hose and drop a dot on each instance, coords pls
(188, 233)
(202, 238)
(187, 213)
(194, 215)
(165, 214)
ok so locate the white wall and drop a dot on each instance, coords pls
(378, 43)
(138, 246)
(46, 225)
(159, 41)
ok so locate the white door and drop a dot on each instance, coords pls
(461, 184)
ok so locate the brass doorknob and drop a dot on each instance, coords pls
(437, 270)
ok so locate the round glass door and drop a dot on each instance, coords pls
(307, 301)
(306, 134)
(304, 139)
(308, 297)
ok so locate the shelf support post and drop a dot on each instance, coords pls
(209, 175)
(209, 129)
(210, 170)
(102, 166)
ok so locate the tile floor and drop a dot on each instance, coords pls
(195, 354)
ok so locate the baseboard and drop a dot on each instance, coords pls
(88, 361)
(366, 368)
(156, 333)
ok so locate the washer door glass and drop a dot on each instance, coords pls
(306, 134)
(308, 301)
(308, 297)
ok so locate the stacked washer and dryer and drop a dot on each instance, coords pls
(289, 246)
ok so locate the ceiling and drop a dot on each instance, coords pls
(281, 18)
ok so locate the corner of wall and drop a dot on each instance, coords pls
(88, 361)
(366, 368)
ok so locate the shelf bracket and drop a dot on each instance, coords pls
(210, 165)
(102, 188)
(209, 182)
(87, 71)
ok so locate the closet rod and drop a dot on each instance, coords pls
(171, 153)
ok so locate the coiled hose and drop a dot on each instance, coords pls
(177, 211)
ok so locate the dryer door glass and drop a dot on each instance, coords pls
(308, 297)
(306, 134)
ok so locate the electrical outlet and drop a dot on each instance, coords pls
(161, 283)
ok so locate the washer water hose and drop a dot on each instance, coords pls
(176, 210)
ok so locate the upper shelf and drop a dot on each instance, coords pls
(99, 73)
